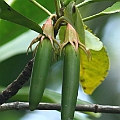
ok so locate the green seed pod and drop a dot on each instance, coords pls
(39, 72)
(70, 84)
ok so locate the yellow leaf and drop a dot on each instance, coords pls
(94, 71)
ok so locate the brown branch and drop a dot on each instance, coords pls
(17, 84)
(51, 106)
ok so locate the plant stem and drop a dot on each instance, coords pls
(91, 17)
(17, 84)
(57, 7)
(41, 7)
(83, 3)
(57, 24)
(52, 106)
(62, 3)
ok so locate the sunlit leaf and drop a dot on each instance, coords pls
(98, 0)
(92, 42)
(73, 16)
(9, 14)
(86, 2)
(16, 46)
(93, 72)
(115, 8)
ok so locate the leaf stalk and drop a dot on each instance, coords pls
(41, 7)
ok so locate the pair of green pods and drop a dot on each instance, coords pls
(70, 77)
(70, 82)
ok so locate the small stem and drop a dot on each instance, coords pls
(91, 17)
(57, 7)
(57, 24)
(17, 84)
(41, 7)
(81, 4)
(52, 106)
(62, 3)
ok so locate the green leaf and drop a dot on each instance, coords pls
(9, 14)
(16, 46)
(92, 42)
(86, 2)
(66, 2)
(27, 9)
(73, 16)
(99, 0)
(94, 71)
(115, 8)
(80, 117)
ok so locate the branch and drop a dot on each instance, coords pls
(17, 84)
(51, 106)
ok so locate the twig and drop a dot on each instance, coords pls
(41, 7)
(51, 106)
(83, 3)
(57, 7)
(92, 16)
(17, 84)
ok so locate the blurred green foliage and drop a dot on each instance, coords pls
(13, 65)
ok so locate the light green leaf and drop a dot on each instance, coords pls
(80, 117)
(9, 14)
(85, 2)
(94, 71)
(115, 8)
(92, 42)
(99, 0)
(16, 46)
(73, 16)
(66, 2)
